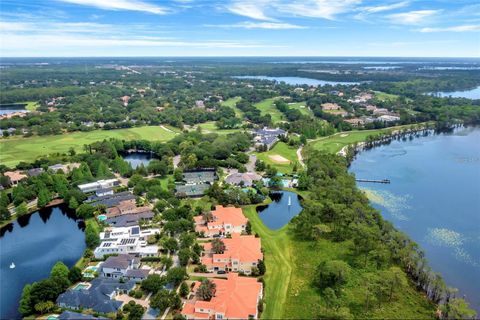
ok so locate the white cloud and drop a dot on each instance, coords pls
(464, 28)
(130, 5)
(326, 9)
(387, 7)
(412, 17)
(254, 10)
(260, 25)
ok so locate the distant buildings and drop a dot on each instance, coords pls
(126, 240)
(196, 182)
(98, 185)
(246, 179)
(15, 176)
(330, 106)
(242, 253)
(234, 298)
(267, 136)
(66, 168)
(225, 220)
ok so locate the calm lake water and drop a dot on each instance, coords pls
(278, 213)
(298, 80)
(138, 158)
(469, 94)
(11, 108)
(34, 243)
(434, 197)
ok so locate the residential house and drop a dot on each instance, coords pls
(15, 176)
(246, 179)
(126, 240)
(355, 122)
(111, 200)
(70, 315)
(330, 106)
(389, 118)
(98, 185)
(99, 296)
(66, 168)
(225, 220)
(125, 100)
(199, 104)
(267, 136)
(131, 219)
(242, 253)
(104, 192)
(123, 266)
(35, 172)
(234, 298)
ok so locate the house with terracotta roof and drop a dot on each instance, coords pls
(241, 254)
(330, 106)
(225, 220)
(15, 176)
(234, 298)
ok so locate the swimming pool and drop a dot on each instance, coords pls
(102, 217)
(81, 286)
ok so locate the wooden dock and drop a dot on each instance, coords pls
(386, 181)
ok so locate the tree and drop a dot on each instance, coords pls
(206, 290)
(136, 312)
(153, 283)
(458, 308)
(161, 300)
(184, 290)
(218, 246)
(248, 228)
(21, 210)
(75, 274)
(92, 239)
(184, 256)
(176, 275)
(59, 270)
(44, 197)
(73, 203)
(261, 267)
(333, 273)
(44, 307)
(25, 307)
(170, 244)
(45, 290)
(85, 211)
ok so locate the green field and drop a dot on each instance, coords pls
(336, 142)
(267, 107)
(298, 105)
(383, 96)
(232, 104)
(211, 127)
(283, 150)
(31, 105)
(16, 149)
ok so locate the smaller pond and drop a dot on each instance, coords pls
(284, 206)
(12, 108)
(469, 94)
(137, 158)
(298, 81)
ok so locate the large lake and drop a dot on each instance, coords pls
(137, 158)
(469, 94)
(284, 206)
(434, 197)
(34, 243)
(12, 108)
(298, 81)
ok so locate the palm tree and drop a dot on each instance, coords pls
(218, 246)
(206, 290)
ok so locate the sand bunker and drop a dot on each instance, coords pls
(278, 159)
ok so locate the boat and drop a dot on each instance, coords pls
(12, 265)
(289, 200)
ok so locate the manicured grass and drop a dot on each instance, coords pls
(267, 107)
(210, 127)
(336, 142)
(302, 107)
(232, 104)
(283, 150)
(383, 96)
(278, 261)
(16, 149)
(31, 105)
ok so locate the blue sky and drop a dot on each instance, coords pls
(442, 28)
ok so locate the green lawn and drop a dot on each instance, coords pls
(31, 105)
(267, 107)
(383, 96)
(302, 107)
(278, 261)
(232, 104)
(16, 149)
(283, 150)
(336, 142)
(210, 127)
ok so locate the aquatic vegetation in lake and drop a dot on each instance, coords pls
(396, 205)
(448, 238)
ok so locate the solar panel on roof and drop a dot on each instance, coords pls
(135, 230)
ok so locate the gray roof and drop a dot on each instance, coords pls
(122, 261)
(97, 296)
(127, 220)
(69, 315)
(192, 190)
(137, 273)
(111, 200)
(248, 178)
(270, 132)
(34, 172)
(200, 176)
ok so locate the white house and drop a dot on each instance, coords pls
(98, 185)
(126, 240)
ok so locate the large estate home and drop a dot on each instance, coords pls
(241, 254)
(224, 220)
(267, 136)
(234, 298)
(98, 185)
(15, 177)
(123, 266)
(126, 240)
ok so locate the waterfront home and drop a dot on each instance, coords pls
(131, 219)
(225, 220)
(112, 199)
(389, 118)
(123, 266)
(241, 254)
(126, 240)
(70, 315)
(104, 192)
(15, 176)
(66, 168)
(267, 136)
(98, 185)
(99, 296)
(355, 122)
(246, 179)
(126, 207)
(234, 298)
